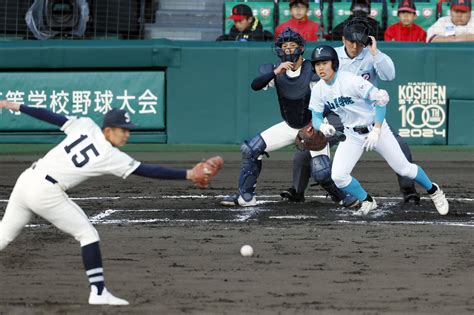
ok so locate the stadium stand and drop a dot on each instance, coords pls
(184, 19)
(63, 19)
(187, 20)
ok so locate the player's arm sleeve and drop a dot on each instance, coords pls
(380, 112)
(262, 81)
(317, 108)
(317, 119)
(380, 99)
(44, 115)
(384, 66)
(161, 172)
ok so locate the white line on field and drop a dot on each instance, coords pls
(221, 196)
(453, 223)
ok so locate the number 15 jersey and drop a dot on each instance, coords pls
(84, 153)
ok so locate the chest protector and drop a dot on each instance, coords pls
(294, 95)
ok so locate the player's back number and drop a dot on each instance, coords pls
(82, 158)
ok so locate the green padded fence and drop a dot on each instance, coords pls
(207, 94)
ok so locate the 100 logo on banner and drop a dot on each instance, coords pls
(422, 107)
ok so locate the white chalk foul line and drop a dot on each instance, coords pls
(222, 196)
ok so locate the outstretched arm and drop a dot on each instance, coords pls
(157, 171)
(200, 174)
(38, 113)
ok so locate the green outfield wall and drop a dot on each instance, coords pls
(199, 92)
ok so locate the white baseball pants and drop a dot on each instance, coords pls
(34, 194)
(349, 152)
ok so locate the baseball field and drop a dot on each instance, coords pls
(170, 248)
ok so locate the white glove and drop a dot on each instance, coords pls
(380, 97)
(327, 129)
(372, 139)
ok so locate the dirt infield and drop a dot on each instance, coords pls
(171, 249)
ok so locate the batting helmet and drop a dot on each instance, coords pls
(288, 35)
(358, 30)
(323, 53)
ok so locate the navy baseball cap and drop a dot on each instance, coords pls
(117, 118)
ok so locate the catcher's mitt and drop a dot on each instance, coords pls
(310, 139)
(202, 172)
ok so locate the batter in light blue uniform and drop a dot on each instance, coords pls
(361, 107)
(372, 65)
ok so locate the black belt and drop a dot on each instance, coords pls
(47, 177)
(362, 130)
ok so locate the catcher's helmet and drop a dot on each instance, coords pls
(358, 30)
(325, 52)
(288, 35)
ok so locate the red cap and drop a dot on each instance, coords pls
(407, 6)
(241, 12)
(461, 5)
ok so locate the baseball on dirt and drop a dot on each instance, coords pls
(246, 251)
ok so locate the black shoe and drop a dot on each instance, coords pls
(410, 195)
(291, 195)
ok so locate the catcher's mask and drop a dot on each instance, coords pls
(288, 35)
(358, 30)
(323, 53)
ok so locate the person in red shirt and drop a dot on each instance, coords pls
(405, 30)
(299, 21)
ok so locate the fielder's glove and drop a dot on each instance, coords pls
(327, 129)
(202, 172)
(372, 139)
(310, 139)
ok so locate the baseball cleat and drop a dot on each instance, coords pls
(440, 201)
(242, 202)
(366, 207)
(349, 201)
(106, 298)
(291, 195)
(237, 200)
(410, 195)
(230, 201)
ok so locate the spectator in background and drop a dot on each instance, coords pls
(359, 9)
(246, 26)
(405, 30)
(459, 27)
(299, 21)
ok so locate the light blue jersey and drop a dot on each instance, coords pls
(367, 66)
(347, 96)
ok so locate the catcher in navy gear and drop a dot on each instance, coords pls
(292, 77)
(358, 55)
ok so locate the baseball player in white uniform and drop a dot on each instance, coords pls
(362, 108)
(86, 151)
(366, 60)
